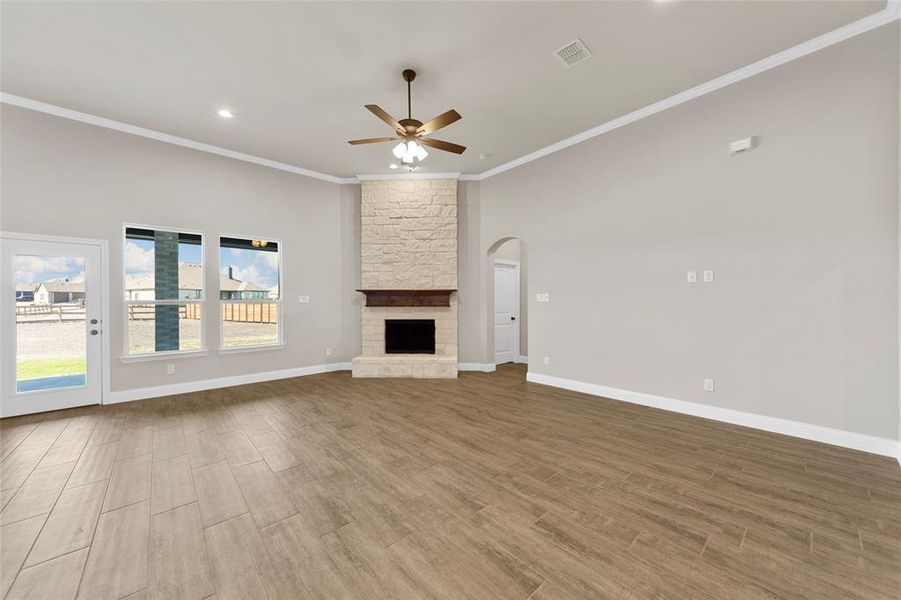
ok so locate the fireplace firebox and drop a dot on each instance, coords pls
(409, 336)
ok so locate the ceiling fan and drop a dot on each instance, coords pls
(411, 132)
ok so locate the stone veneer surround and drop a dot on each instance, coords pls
(409, 242)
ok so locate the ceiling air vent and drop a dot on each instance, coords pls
(572, 53)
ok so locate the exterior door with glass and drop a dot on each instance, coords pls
(51, 326)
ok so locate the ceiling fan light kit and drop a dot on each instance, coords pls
(411, 132)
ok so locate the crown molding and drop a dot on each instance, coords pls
(75, 115)
(891, 12)
(405, 176)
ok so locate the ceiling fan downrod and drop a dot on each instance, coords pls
(409, 76)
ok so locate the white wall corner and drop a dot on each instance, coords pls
(807, 431)
(893, 7)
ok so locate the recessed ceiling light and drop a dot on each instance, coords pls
(225, 113)
(392, 166)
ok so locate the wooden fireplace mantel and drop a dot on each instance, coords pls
(407, 297)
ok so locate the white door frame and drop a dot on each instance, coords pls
(104, 300)
(516, 305)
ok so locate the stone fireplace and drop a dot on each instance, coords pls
(409, 277)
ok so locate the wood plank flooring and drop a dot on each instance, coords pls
(326, 487)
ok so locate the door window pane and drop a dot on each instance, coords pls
(51, 349)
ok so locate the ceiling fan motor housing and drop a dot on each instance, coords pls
(410, 125)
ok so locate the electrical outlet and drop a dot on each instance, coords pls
(170, 369)
(547, 361)
(692, 276)
(708, 276)
(328, 351)
(708, 385)
(542, 297)
(303, 299)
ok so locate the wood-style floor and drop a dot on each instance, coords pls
(485, 487)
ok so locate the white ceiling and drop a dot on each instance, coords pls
(296, 75)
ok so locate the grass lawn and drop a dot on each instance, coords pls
(36, 368)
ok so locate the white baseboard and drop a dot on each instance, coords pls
(220, 382)
(818, 433)
(522, 359)
(483, 367)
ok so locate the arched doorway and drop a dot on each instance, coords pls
(507, 302)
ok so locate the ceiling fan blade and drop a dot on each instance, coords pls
(442, 120)
(372, 140)
(442, 145)
(377, 111)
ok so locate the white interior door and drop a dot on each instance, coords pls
(506, 311)
(52, 295)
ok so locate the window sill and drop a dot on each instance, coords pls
(162, 356)
(260, 348)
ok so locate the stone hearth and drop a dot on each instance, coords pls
(409, 248)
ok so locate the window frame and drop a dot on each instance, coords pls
(279, 302)
(126, 357)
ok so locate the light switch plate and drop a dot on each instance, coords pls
(692, 276)
(542, 297)
(708, 276)
(708, 385)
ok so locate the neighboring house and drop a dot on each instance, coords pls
(235, 289)
(190, 280)
(273, 293)
(59, 291)
(25, 292)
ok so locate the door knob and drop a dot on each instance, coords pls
(95, 331)
(512, 318)
(93, 321)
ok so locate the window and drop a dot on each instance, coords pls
(163, 291)
(249, 293)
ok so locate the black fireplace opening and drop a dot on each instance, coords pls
(409, 336)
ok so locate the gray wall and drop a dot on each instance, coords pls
(66, 178)
(802, 321)
(471, 261)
